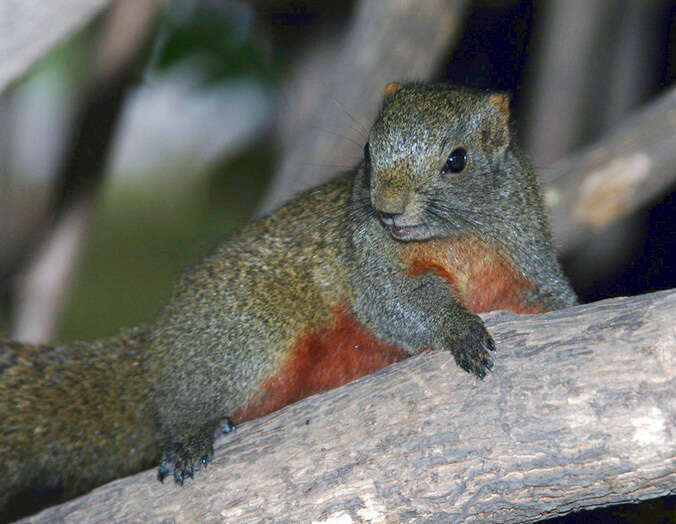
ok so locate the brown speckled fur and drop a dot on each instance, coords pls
(394, 256)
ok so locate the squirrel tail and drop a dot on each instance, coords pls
(70, 416)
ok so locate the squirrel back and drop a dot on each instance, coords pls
(441, 220)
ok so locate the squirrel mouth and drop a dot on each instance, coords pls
(402, 231)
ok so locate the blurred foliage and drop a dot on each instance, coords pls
(70, 60)
(219, 35)
(137, 249)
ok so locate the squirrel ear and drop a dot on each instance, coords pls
(500, 101)
(496, 126)
(392, 88)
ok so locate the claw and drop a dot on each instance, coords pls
(471, 350)
(163, 470)
(179, 477)
(181, 460)
(227, 425)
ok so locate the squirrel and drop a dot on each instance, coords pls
(442, 219)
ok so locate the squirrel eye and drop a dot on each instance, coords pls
(367, 152)
(456, 161)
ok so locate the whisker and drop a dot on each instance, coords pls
(334, 166)
(447, 215)
(335, 133)
(454, 208)
(360, 127)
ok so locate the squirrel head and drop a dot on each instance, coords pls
(438, 158)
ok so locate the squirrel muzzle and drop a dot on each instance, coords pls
(389, 195)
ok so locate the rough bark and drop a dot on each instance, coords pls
(615, 176)
(579, 412)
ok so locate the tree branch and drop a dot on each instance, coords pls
(579, 412)
(31, 28)
(615, 176)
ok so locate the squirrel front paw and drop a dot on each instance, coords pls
(183, 459)
(471, 349)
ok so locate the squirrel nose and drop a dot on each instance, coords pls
(389, 198)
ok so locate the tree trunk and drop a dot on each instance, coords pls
(578, 412)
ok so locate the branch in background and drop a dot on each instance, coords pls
(43, 285)
(334, 94)
(634, 64)
(614, 177)
(123, 42)
(31, 28)
(575, 44)
(568, 48)
(578, 413)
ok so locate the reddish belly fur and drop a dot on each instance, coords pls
(322, 359)
(482, 278)
(328, 357)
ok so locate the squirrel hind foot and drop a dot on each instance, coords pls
(184, 459)
(180, 468)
